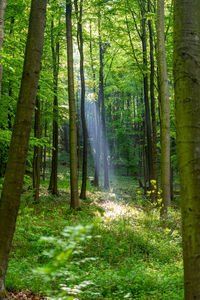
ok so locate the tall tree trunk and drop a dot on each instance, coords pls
(187, 107)
(144, 158)
(83, 119)
(78, 129)
(164, 109)
(2, 13)
(146, 96)
(65, 136)
(44, 154)
(12, 188)
(53, 185)
(101, 98)
(37, 153)
(75, 203)
(96, 119)
(153, 109)
(142, 35)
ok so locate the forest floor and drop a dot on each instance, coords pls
(115, 247)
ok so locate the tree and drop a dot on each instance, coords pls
(55, 45)
(96, 117)
(164, 109)
(102, 49)
(146, 89)
(152, 94)
(72, 111)
(79, 13)
(12, 188)
(37, 153)
(144, 69)
(187, 107)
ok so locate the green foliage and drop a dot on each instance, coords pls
(66, 260)
(129, 253)
(5, 136)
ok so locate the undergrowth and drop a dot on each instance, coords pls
(127, 253)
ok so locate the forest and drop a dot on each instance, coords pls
(99, 149)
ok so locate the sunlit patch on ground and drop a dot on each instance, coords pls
(61, 176)
(115, 211)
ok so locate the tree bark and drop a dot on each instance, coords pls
(146, 96)
(75, 203)
(65, 136)
(153, 105)
(164, 109)
(12, 188)
(101, 99)
(83, 118)
(2, 13)
(96, 119)
(44, 164)
(37, 153)
(78, 130)
(53, 185)
(187, 108)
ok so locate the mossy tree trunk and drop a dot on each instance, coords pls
(164, 110)
(187, 107)
(13, 182)
(75, 203)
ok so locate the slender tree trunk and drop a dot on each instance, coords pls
(144, 158)
(98, 138)
(96, 119)
(12, 188)
(187, 107)
(2, 13)
(78, 129)
(146, 96)
(53, 185)
(164, 109)
(171, 182)
(83, 118)
(153, 109)
(37, 153)
(101, 97)
(44, 153)
(72, 111)
(66, 138)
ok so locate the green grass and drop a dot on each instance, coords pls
(137, 256)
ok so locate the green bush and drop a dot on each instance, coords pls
(63, 271)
